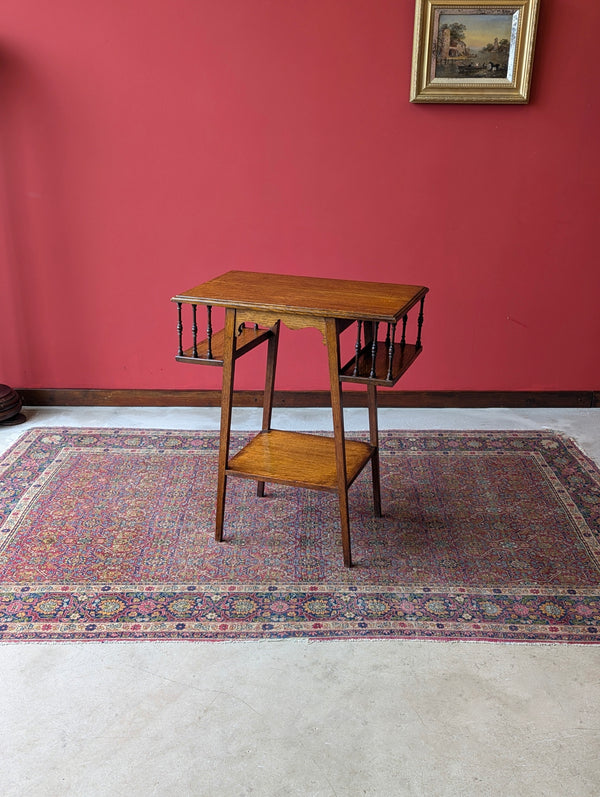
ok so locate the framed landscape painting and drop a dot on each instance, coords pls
(473, 51)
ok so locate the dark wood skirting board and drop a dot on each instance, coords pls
(72, 397)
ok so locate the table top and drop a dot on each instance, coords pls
(314, 296)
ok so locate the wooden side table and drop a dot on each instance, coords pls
(381, 355)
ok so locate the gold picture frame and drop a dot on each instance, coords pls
(473, 51)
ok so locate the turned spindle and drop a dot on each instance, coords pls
(420, 324)
(374, 350)
(209, 354)
(179, 331)
(390, 344)
(194, 330)
(357, 347)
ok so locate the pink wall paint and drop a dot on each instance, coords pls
(150, 145)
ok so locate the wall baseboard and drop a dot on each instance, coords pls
(72, 397)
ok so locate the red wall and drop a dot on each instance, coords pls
(150, 145)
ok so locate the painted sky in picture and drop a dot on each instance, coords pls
(482, 29)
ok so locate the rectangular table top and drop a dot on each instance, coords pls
(314, 296)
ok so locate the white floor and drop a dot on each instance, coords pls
(297, 718)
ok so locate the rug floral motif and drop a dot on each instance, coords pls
(108, 534)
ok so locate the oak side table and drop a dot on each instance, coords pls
(255, 306)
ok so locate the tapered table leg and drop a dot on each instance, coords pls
(269, 388)
(226, 405)
(333, 354)
(374, 440)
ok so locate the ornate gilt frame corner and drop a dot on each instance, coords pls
(442, 73)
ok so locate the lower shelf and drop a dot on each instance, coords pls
(303, 460)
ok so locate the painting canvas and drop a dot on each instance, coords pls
(477, 46)
(473, 52)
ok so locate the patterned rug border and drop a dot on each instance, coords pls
(174, 611)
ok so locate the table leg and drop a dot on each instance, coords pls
(226, 405)
(269, 387)
(374, 440)
(333, 354)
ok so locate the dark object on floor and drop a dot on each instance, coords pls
(10, 407)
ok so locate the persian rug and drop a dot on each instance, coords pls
(107, 534)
